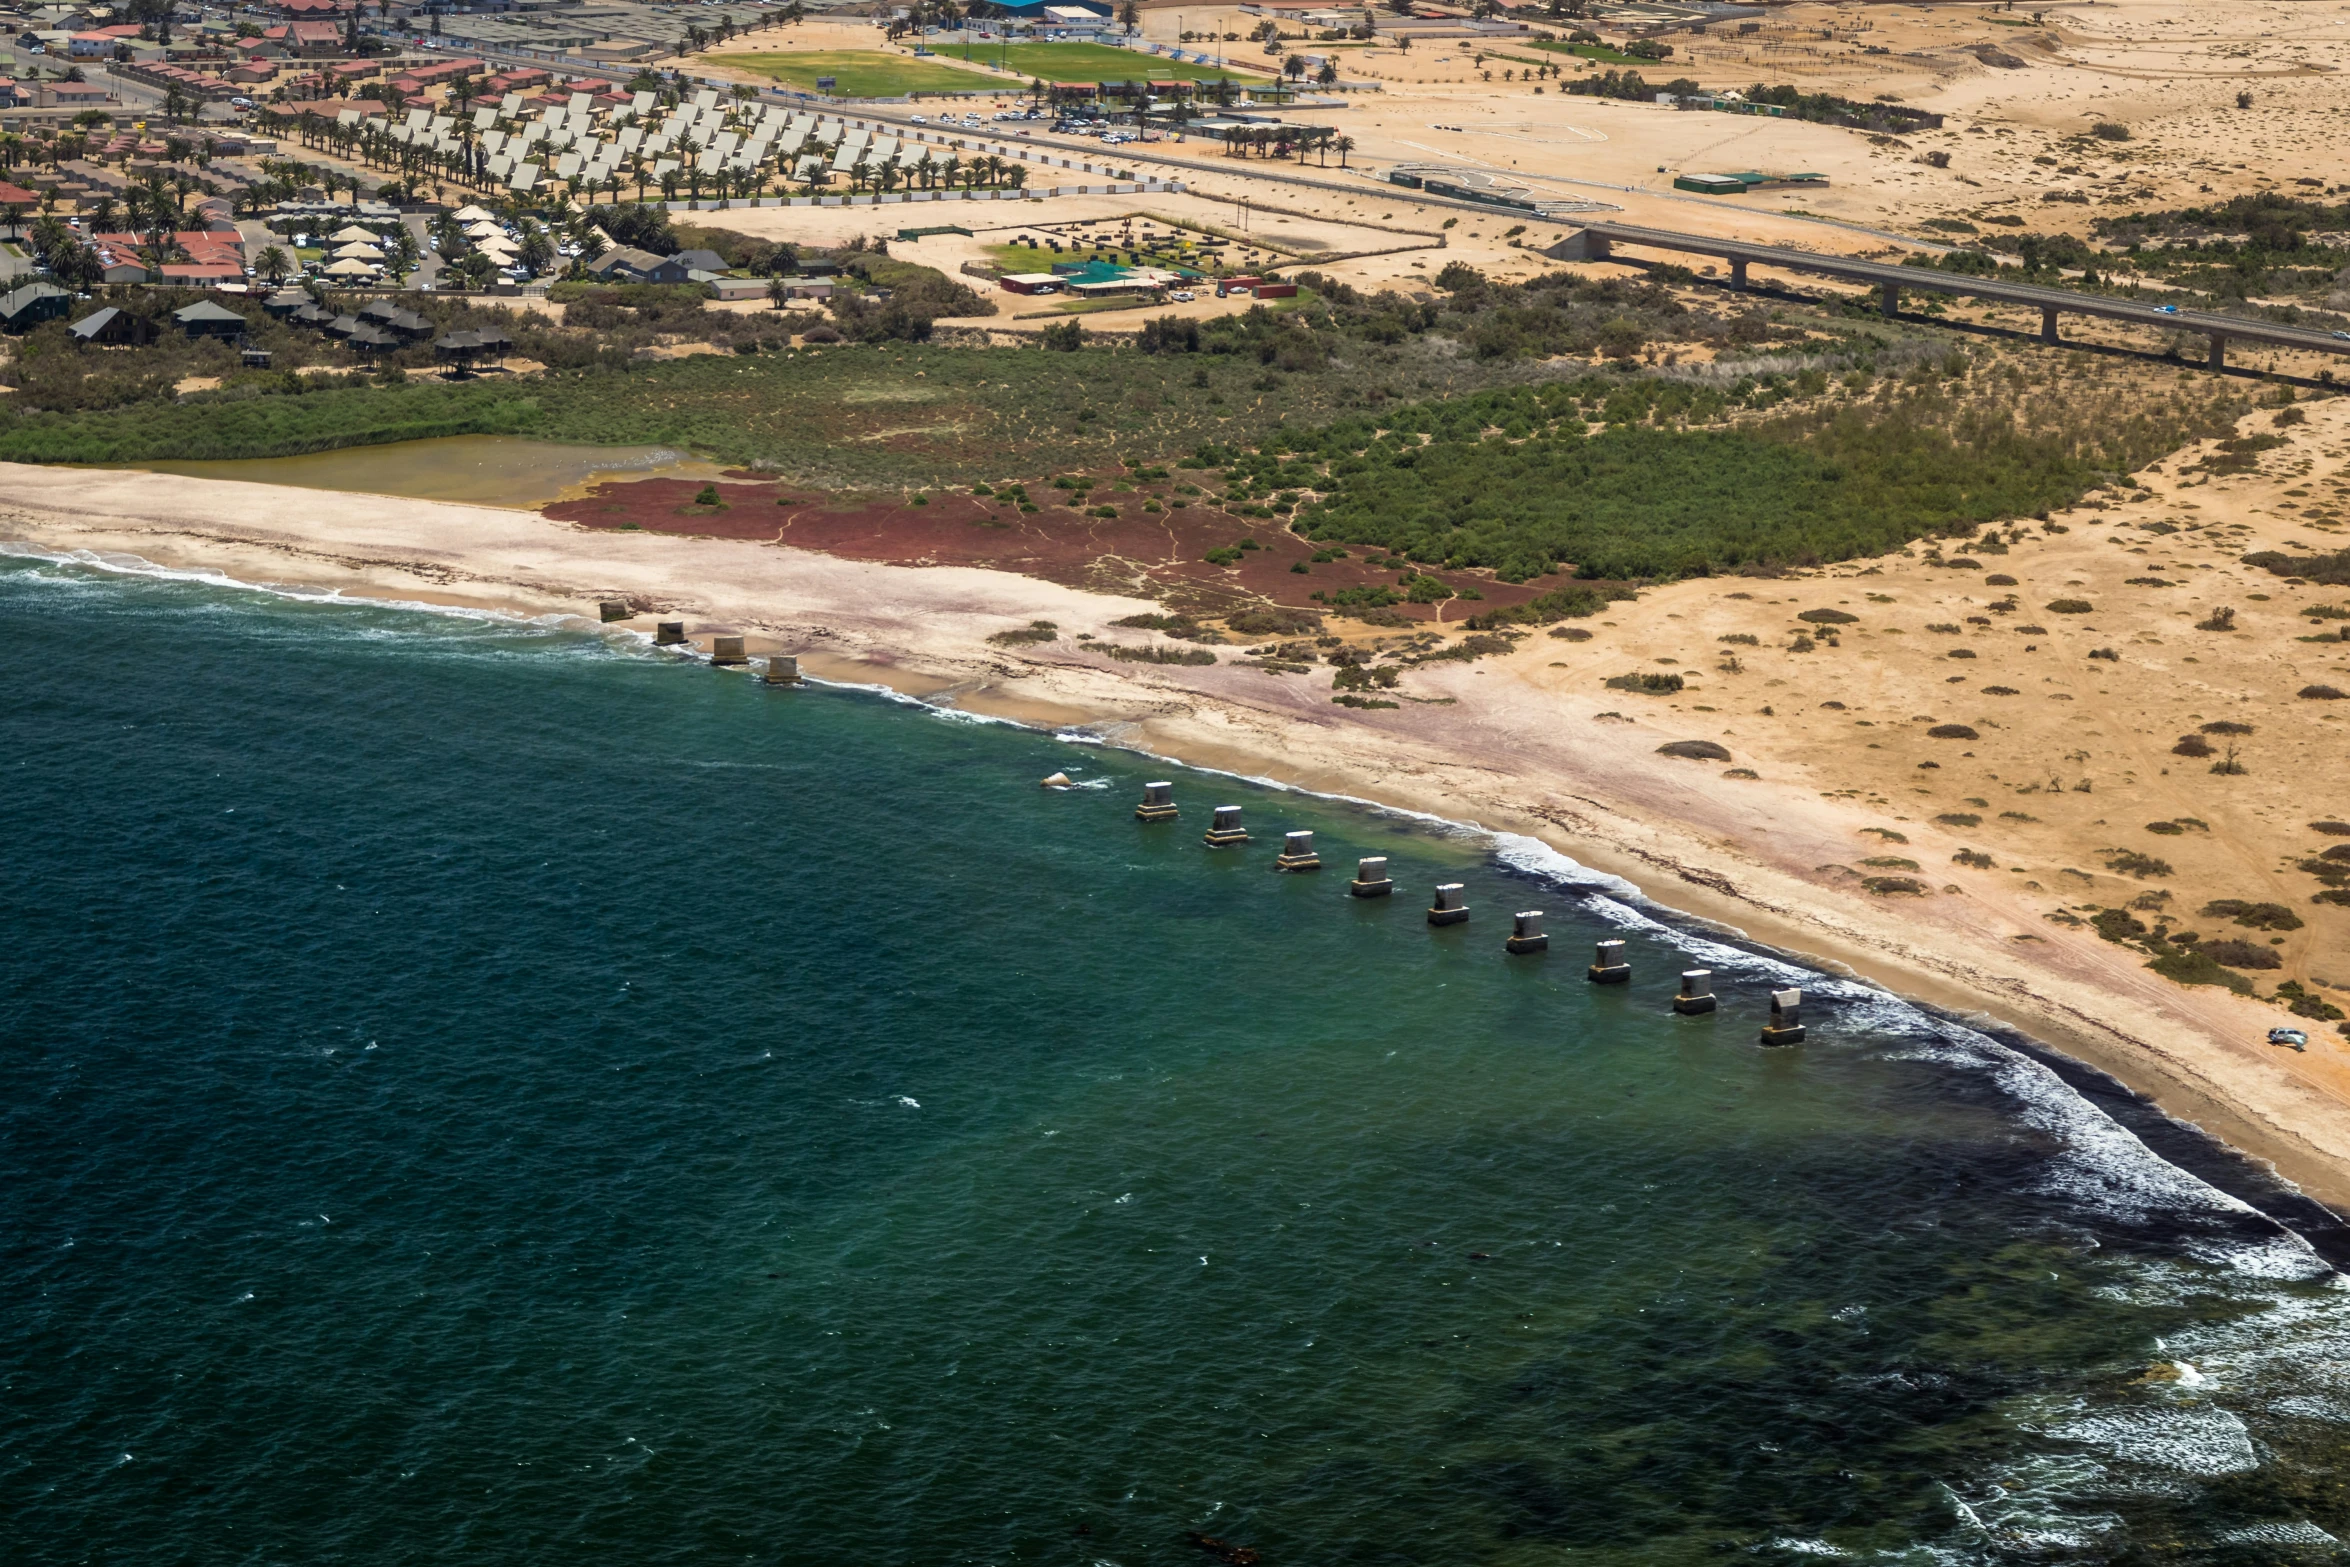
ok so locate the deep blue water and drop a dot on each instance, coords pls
(480, 1092)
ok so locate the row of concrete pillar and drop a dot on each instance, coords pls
(783, 669)
(1371, 880)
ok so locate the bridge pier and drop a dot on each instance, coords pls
(1892, 299)
(1738, 275)
(2219, 353)
(2048, 325)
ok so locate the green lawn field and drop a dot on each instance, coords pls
(1599, 52)
(859, 73)
(1100, 63)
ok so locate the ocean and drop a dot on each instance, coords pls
(486, 1091)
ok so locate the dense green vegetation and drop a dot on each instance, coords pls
(895, 415)
(1514, 480)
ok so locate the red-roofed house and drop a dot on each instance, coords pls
(116, 265)
(202, 274)
(315, 37)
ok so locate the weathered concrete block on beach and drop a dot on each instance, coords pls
(1158, 803)
(1786, 1025)
(1297, 853)
(1226, 830)
(1697, 992)
(1608, 966)
(783, 670)
(615, 609)
(1526, 933)
(728, 650)
(1371, 878)
(1449, 908)
(668, 633)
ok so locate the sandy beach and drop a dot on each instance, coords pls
(1830, 764)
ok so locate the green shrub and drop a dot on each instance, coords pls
(2253, 916)
(1035, 631)
(2070, 607)
(1652, 685)
(2129, 862)
(1160, 654)
(1974, 857)
(2241, 954)
(2194, 966)
(1273, 621)
(1695, 750)
(1828, 617)
(2118, 925)
(1953, 732)
(1578, 602)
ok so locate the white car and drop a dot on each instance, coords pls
(918, 120)
(240, 103)
(1183, 296)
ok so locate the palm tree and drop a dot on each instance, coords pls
(272, 264)
(1345, 144)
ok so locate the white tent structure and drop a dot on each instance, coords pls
(352, 233)
(358, 253)
(473, 215)
(352, 269)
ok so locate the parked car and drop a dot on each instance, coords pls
(1182, 296)
(2289, 1036)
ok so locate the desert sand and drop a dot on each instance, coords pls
(1535, 742)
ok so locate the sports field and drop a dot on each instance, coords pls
(857, 73)
(1100, 63)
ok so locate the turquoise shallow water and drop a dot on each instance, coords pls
(481, 1092)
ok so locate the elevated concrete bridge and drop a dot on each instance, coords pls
(1598, 241)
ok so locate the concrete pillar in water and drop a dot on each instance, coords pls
(615, 609)
(783, 670)
(1158, 803)
(1697, 992)
(668, 633)
(1297, 853)
(1608, 966)
(1371, 878)
(1226, 829)
(1786, 1025)
(1526, 932)
(728, 650)
(1448, 909)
